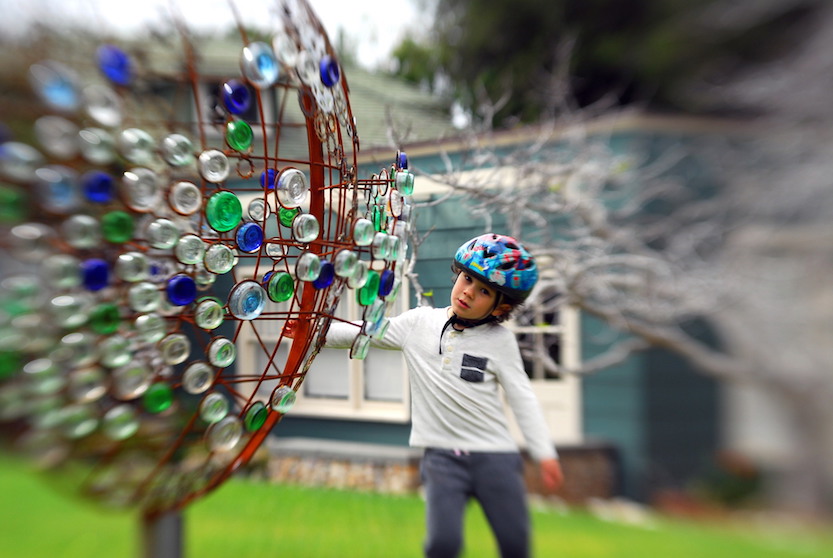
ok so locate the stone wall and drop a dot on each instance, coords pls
(344, 465)
(591, 471)
(390, 478)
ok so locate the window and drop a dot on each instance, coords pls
(549, 343)
(214, 115)
(216, 110)
(539, 337)
(336, 386)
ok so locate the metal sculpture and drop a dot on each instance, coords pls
(154, 207)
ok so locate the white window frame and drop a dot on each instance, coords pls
(560, 397)
(355, 406)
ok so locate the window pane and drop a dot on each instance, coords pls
(266, 388)
(535, 346)
(329, 375)
(216, 109)
(383, 376)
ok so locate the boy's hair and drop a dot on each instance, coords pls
(507, 315)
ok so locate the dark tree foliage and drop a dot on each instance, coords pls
(658, 53)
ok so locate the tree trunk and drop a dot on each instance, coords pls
(805, 485)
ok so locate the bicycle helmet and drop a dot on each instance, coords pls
(501, 262)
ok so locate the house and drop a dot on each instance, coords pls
(646, 424)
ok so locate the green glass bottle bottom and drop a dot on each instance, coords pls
(280, 287)
(255, 416)
(117, 227)
(10, 363)
(367, 294)
(158, 397)
(239, 135)
(223, 211)
(105, 318)
(12, 205)
(286, 215)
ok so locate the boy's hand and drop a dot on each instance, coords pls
(289, 328)
(551, 474)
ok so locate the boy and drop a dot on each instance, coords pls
(457, 356)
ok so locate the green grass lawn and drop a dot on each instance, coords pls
(251, 519)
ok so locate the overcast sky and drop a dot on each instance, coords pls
(377, 25)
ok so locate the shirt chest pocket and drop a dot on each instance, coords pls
(473, 368)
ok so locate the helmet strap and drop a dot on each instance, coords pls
(455, 319)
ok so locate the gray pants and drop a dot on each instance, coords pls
(495, 480)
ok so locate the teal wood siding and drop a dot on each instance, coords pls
(614, 406)
(344, 430)
(660, 414)
(683, 415)
(452, 225)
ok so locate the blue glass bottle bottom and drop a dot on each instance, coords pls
(249, 237)
(236, 97)
(386, 282)
(95, 274)
(98, 187)
(326, 276)
(114, 64)
(181, 290)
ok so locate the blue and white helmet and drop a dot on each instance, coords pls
(501, 262)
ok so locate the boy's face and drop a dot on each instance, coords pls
(472, 299)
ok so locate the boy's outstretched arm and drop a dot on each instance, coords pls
(551, 473)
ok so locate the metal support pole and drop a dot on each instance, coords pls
(162, 535)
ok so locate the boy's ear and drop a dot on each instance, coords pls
(501, 310)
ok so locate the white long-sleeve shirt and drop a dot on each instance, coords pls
(455, 403)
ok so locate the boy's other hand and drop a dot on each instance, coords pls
(551, 474)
